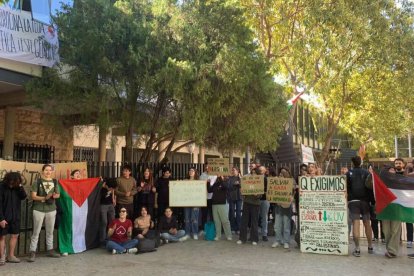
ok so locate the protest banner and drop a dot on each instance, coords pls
(26, 40)
(323, 212)
(218, 166)
(252, 185)
(307, 154)
(63, 170)
(188, 193)
(280, 191)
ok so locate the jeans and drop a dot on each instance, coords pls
(235, 214)
(38, 218)
(173, 238)
(191, 220)
(282, 224)
(251, 212)
(107, 216)
(121, 247)
(409, 227)
(264, 214)
(221, 217)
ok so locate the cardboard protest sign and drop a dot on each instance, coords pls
(218, 166)
(63, 170)
(280, 190)
(252, 185)
(188, 193)
(323, 212)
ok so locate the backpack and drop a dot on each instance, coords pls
(209, 231)
(146, 245)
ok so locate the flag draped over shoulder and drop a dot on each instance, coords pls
(80, 205)
(394, 196)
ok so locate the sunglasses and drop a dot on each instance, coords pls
(123, 211)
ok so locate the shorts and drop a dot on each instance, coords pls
(358, 209)
(11, 228)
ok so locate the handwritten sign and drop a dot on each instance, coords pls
(252, 185)
(323, 215)
(307, 154)
(63, 170)
(280, 190)
(218, 166)
(188, 193)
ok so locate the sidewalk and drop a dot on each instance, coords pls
(218, 258)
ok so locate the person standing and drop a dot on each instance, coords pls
(108, 202)
(163, 199)
(11, 195)
(235, 200)
(207, 212)
(358, 203)
(146, 193)
(220, 208)
(44, 193)
(191, 213)
(264, 205)
(125, 190)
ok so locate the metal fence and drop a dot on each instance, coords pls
(113, 169)
(31, 153)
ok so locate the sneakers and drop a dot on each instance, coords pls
(239, 242)
(113, 252)
(132, 250)
(265, 238)
(254, 243)
(370, 250)
(275, 244)
(286, 245)
(13, 259)
(32, 257)
(2, 261)
(410, 244)
(216, 238)
(51, 253)
(356, 253)
(229, 238)
(65, 254)
(195, 237)
(181, 239)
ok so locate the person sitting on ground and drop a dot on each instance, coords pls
(143, 224)
(11, 195)
(168, 228)
(119, 235)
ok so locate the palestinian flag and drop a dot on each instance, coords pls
(291, 102)
(394, 196)
(80, 206)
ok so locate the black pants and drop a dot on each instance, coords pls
(375, 230)
(409, 231)
(250, 212)
(206, 213)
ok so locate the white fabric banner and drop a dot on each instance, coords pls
(26, 40)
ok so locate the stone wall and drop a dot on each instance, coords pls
(32, 128)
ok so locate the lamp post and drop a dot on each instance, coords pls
(191, 148)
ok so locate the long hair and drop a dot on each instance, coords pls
(196, 176)
(13, 179)
(150, 177)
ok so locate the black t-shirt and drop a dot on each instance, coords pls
(106, 196)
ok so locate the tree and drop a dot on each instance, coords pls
(350, 54)
(165, 70)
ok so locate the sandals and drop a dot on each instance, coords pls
(389, 255)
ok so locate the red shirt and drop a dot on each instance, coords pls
(120, 230)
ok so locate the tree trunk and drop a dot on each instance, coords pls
(103, 131)
(328, 141)
(128, 146)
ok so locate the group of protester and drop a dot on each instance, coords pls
(128, 209)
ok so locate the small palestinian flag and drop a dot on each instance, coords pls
(291, 102)
(394, 197)
(80, 206)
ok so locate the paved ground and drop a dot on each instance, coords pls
(217, 258)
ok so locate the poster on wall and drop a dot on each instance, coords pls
(323, 215)
(26, 40)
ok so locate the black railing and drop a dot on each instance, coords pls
(31, 153)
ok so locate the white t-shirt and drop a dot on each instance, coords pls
(212, 178)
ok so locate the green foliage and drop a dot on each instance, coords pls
(166, 70)
(356, 56)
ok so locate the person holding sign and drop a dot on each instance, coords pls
(264, 205)
(283, 216)
(191, 213)
(220, 207)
